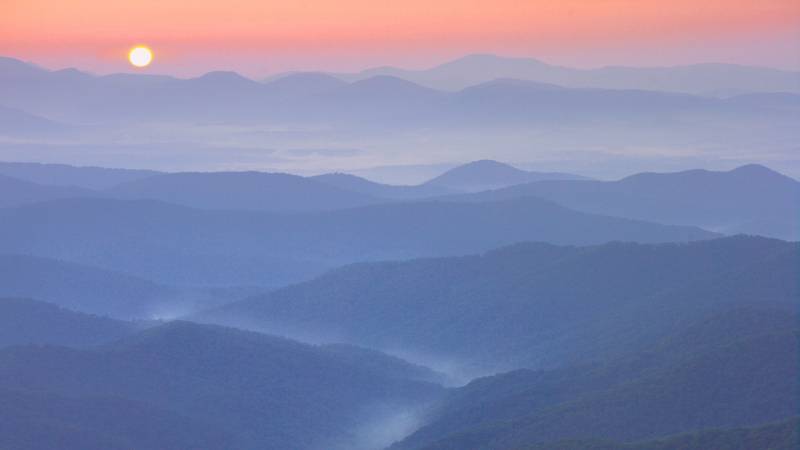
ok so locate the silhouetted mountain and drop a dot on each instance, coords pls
(698, 78)
(15, 192)
(750, 199)
(183, 246)
(486, 174)
(99, 291)
(715, 374)
(265, 392)
(66, 175)
(529, 305)
(378, 190)
(242, 190)
(25, 322)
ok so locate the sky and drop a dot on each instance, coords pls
(262, 37)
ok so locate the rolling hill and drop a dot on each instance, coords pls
(243, 191)
(17, 123)
(181, 246)
(257, 391)
(749, 199)
(379, 190)
(104, 292)
(14, 192)
(486, 175)
(528, 305)
(698, 79)
(31, 322)
(66, 175)
(382, 100)
(729, 370)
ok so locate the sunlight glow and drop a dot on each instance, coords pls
(140, 56)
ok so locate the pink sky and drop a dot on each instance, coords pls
(259, 37)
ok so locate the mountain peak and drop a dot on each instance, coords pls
(224, 76)
(387, 81)
(754, 169)
(17, 67)
(483, 58)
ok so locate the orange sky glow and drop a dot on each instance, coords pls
(258, 37)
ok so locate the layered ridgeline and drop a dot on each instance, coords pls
(750, 199)
(105, 292)
(528, 305)
(182, 385)
(259, 191)
(14, 192)
(709, 79)
(385, 100)
(723, 373)
(178, 245)
(26, 321)
(486, 174)
(67, 175)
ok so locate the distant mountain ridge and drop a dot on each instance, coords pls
(487, 174)
(68, 175)
(104, 292)
(183, 246)
(727, 376)
(15, 192)
(242, 191)
(540, 315)
(383, 100)
(749, 199)
(257, 391)
(32, 322)
(697, 78)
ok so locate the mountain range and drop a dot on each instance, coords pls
(707, 79)
(487, 175)
(105, 292)
(33, 322)
(749, 199)
(528, 305)
(731, 370)
(383, 101)
(177, 245)
(183, 385)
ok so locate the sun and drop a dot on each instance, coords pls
(140, 56)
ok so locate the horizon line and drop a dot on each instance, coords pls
(276, 75)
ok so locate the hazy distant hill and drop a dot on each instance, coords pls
(529, 305)
(16, 123)
(25, 321)
(66, 175)
(378, 190)
(387, 101)
(15, 192)
(749, 199)
(698, 78)
(183, 246)
(734, 369)
(264, 392)
(100, 291)
(243, 191)
(486, 174)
